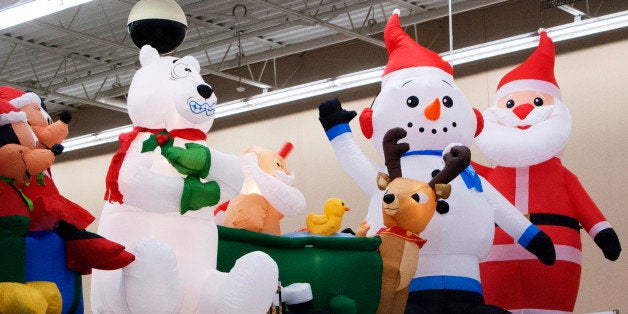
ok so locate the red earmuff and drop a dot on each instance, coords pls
(480, 122)
(366, 122)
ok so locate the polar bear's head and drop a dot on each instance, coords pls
(169, 92)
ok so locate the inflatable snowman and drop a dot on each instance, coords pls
(418, 94)
(160, 185)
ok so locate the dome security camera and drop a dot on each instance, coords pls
(159, 23)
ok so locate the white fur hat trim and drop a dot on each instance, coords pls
(528, 84)
(26, 99)
(12, 117)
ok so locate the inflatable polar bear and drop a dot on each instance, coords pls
(159, 191)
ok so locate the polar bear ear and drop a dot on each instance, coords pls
(148, 55)
(192, 63)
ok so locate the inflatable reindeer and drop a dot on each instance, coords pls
(407, 207)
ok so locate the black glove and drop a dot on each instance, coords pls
(65, 116)
(57, 149)
(608, 241)
(331, 114)
(543, 247)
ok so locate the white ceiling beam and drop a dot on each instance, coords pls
(321, 22)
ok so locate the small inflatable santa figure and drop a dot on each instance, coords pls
(524, 133)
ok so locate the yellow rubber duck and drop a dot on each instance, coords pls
(329, 223)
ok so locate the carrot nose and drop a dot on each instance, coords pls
(523, 111)
(432, 112)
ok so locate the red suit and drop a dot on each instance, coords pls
(558, 204)
(49, 206)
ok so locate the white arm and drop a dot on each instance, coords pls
(355, 163)
(144, 182)
(506, 215)
(226, 170)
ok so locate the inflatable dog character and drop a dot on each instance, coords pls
(418, 94)
(408, 206)
(18, 160)
(58, 248)
(159, 193)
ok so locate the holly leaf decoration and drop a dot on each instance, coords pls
(150, 144)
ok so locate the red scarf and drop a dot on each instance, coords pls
(404, 234)
(112, 193)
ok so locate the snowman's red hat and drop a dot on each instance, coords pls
(536, 73)
(19, 98)
(9, 114)
(404, 52)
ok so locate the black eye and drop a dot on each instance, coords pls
(510, 103)
(416, 197)
(412, 101)
(175, 60)
(538, 102)
(188, 70)
(278, 165)
(447, 102)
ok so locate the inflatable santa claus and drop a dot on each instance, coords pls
(419, 95)
(525, 130)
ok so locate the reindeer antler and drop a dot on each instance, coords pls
(394, 150)
(456, 160)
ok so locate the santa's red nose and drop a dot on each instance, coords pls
(522, 111)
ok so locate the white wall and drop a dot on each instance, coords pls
(593, 83)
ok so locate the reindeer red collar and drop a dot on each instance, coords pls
(408, 206)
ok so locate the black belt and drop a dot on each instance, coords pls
(555, 220)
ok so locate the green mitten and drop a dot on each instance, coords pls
(194, 159)
(197, 194)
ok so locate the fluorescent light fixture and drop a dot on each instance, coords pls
(559, 33)
(361, 78)
(34, 9)
(290, 94)
(94, 139)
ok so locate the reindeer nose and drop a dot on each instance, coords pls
(522, 111)
(432, 112)
(389, 198)
(204, 90)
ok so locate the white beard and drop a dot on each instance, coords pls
(508, 146)
(283, 177)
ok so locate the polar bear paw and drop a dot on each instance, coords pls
(249, 287)
(152, 276)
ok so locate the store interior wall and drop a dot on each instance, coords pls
(592, 73)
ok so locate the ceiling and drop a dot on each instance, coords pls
(83, 56)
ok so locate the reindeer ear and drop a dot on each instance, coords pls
(382, 180)
(442, 190)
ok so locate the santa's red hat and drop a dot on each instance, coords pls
(404, 52)
(19, 98)
(536, 73)
(9, 114)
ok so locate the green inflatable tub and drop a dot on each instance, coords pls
(346, 266)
